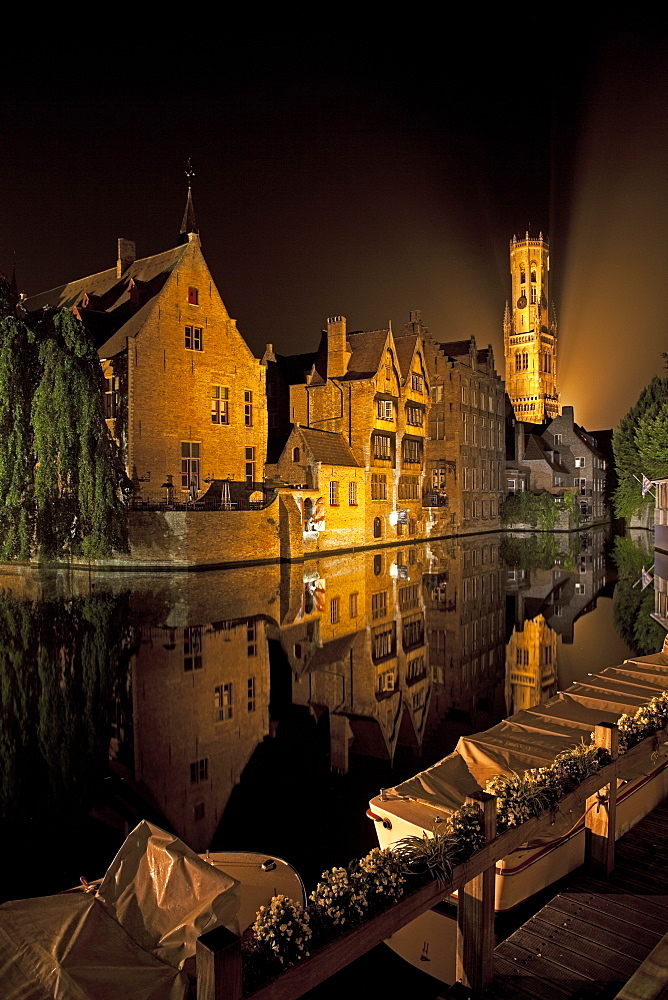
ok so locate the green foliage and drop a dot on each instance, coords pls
(632, 606)
(528, 508)
(640, 445)
(61, 665)
(60, 474)
(540, 551)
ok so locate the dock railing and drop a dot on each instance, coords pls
(219, 951)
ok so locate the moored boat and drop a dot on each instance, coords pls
(133, 933)
(532, 738)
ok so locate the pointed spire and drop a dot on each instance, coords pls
(189, 224)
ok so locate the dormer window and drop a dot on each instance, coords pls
(295, 454)
(193, 297)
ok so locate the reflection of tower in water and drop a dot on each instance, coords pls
(531, 665)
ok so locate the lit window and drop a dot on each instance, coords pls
(412, 451)
(579, 463)
(250, 465)
(414, 416)
(111, 397)
(352, 494)
(248, 408)
(378, 486)
(334, 610)
(385, 409)
(352, 605)
(334, 493)
(251, 694)
(193, 338)
(382, 447)
(220, 413)
(416, 382)
(193, 296)
(190, 458)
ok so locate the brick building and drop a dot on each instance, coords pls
(465, 448)
(183, 393)
(373, 391)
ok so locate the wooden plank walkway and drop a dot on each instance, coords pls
(588, 941)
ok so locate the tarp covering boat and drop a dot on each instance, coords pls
(134, 938)
(535, 736)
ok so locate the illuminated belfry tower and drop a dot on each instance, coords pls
(530, 333)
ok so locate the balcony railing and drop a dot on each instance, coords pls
(435, 498)
(221, 494)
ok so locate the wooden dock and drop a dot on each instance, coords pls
(591, 939)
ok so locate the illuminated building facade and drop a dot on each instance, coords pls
(530, 333)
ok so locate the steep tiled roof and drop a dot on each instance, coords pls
(104, 301)
(327, 447)
(537, 450)
(405, 344)
(367, 353)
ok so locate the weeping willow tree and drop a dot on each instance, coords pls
(60, 472)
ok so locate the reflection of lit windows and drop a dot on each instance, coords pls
(409, 597)
(580, 588)
(379, 605)
(199, 771)
(192, 649)
(251, 638)
(334, 610)
(386, 681)
(352, 605)
(383, 641)
(412, 631)
(222, 699)
(251, 694)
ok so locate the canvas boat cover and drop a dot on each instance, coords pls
(535, 736)
(134, 938)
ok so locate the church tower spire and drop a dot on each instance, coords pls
(189, 224)
(530, 333)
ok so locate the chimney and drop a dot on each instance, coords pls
(519, 441)
(567, 413)
(127, 254)
(337, 353)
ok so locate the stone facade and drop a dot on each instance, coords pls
(530, 333)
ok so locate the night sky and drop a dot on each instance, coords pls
(364, 171)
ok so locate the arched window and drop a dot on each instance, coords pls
(308, 510)
(377, 565)
(295, 454)
(523, 276)
(377, 527)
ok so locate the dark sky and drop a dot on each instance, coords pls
(363, 171)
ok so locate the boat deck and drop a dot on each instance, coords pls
(591, 938)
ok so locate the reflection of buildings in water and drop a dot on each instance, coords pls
(564, 591)
(359, 654)
(660, 573)
(465, 624)
(531, 665)
(201, 697)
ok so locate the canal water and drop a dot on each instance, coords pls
(260, 708)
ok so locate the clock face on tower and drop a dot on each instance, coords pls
(521, 302)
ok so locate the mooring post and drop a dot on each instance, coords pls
(475, 911)
(218, 958)
(601, 816)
